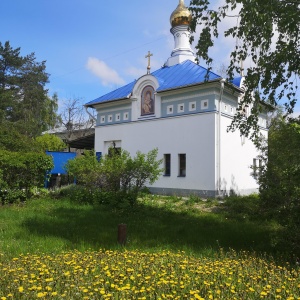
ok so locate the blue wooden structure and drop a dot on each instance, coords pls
(59, 159)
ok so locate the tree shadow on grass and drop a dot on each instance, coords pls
(148, 228)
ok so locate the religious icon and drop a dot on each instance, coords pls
(147, 101)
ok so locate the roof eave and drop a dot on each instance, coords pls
(108, 101)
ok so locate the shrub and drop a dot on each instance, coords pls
(20, 172)
(118, 174)
(243, 207)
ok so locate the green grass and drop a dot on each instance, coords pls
(156, 223)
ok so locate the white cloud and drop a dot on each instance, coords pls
(107, 75)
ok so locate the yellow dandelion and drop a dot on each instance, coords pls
(41, 295)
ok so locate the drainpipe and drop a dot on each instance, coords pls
(86, 109)
(222, 82)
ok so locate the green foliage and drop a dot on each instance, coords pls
(118, 174)
(243, 207)
(280, 179)
(86, 169)
(12, 140)
(23, 97)
(274, 58)
(50, 142)
(81, 194)
(20, 173)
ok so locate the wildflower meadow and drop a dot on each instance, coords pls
(139, 275)
(42, 257)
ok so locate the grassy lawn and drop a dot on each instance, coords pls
(176, 249)
(170, 223)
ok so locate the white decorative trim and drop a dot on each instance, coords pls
(102, 119)
(109, 118)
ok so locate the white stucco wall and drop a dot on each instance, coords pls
(237, 155)
(192, 135)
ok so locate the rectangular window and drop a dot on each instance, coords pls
(125, 116)
(102, 119)
(170, 109)
(204, 104)
(257, 167)
(167, 162)
(118, 117)
(180, 108)
(192, 106)
(254, 166)
(182, 165)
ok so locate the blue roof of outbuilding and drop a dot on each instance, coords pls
(177, 76)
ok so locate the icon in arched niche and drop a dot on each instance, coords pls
(147, 103)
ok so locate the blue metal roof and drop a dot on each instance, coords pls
(117, 94)
(177, 76)
(180, 75)
(237, 81)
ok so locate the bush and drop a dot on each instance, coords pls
(118, 174)
(20, 173)
(243, 207)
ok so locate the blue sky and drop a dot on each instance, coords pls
(93, 46)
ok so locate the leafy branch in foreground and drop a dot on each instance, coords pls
(268, 35)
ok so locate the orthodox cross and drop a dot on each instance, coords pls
(148, 56)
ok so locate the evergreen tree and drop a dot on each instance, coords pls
(23, 96)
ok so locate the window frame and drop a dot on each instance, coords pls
(182, 165)
(167, 164)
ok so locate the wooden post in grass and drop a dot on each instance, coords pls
(122, 234)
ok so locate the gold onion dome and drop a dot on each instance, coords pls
(181, 15)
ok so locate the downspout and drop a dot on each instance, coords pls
(86, 109)
(222, 82)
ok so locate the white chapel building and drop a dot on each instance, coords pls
(185, 115)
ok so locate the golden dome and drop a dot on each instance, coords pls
(181, 15)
